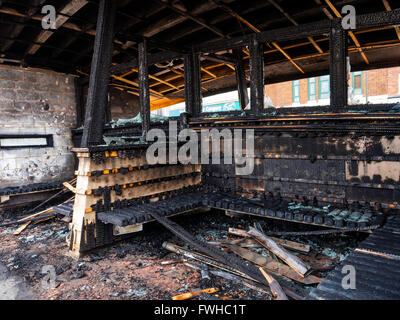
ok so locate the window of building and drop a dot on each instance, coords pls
(312, 89)
(25, 141)
(357, 83)
(324, 87)
(296, 91)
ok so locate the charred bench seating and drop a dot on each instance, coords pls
(136, 213)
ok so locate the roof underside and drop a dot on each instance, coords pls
(181, 24)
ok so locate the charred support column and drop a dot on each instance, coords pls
(256, 77)
(97, 99)
(144, 96)
(241, 79)
(79, 102)
(338, 65)
(193, 96)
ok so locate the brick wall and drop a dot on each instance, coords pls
(280, 93)
(381, 82)
(123, 105)
(393, 81)
(36, 102)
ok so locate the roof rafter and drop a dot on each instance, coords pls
(69, 10)
(254, 28)
(192, 17)
(388, 8)
(290, 18)
(351, 33)
(20, 27)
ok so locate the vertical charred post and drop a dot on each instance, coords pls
(193, 97)
(338, 65)
(97, 99)
(256, 77)
(79, 102)
(241, 79)
(144, 95)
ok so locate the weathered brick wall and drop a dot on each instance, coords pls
(36, 102)
(381, 82)
(393, 83)
(123, 105)
(280, 93)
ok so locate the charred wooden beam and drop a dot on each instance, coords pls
(338, 65)
(192, 17)
(351, 34)
(255, 29)
(71, 40)
(378, 19)
(193, 96)
(221, 58)
(290, 18)
(256, 77)
(97, 99)
(388, 8)
(144, 96)
(152, 59)
(79, 102)
(20, 27)
(241, 79)
(364, 21)
(69, 10)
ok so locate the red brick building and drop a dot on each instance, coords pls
(378, 86)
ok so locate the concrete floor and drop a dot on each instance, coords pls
(13, 287)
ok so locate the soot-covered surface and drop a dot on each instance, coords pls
(139, 268)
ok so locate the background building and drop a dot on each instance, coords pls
(374, 86)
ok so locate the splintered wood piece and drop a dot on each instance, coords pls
(296, 246)
(70, 187)
(274, 285)
(44, 219)
(21, 228)
(295, 263)
(273, 266)
(190, 295)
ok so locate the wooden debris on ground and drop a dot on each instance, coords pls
(291, 260)
(292, 245)
(284, 266)
(274, 285)
(273, 266)
(232, 277)
(21, 228)
(37, 218)
(190, 295)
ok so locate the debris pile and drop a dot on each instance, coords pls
(139, 268)
(290, 268)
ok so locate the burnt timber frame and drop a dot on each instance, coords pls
(256, 77)
(338, 65)
(192, 70)
(241, 79)
(144, 96)
(97, 100)
(192, 73)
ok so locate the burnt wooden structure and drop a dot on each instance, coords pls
(338, 154)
